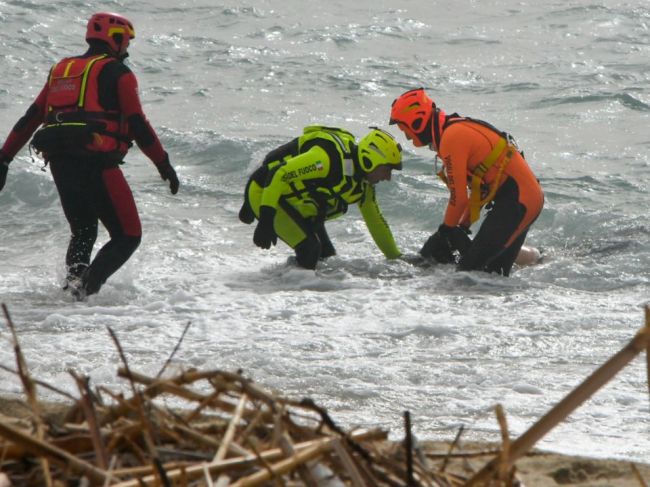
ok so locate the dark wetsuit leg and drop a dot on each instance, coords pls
(317, 246)
(502, 264)
(308, 251)
(327, 247)
(488, 251)
(89, 193)
(117, 211)
(71, 178)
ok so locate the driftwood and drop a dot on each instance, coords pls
(217, 428)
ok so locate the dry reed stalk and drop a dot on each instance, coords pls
(230, 431)
(638, 475)
(42, 384)
(422, 471)
(196, 471)
(146, 469)
(228, 438)
(110, 471)
(453, 445)
(45, 450)
(30, 391)
(408, 448)
(504, 457)
(176, 348)
(254, 423)
(462, 454)
(147, 429)
(172, 386)
(203, 404)
(348, 463)
(285, 466)
(647, 350)
(289, 450)
(91, 419)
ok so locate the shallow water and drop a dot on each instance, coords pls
(224, 83)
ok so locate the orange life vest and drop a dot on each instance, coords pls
(73, 102)
(481, 193)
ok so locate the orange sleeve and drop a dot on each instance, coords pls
(455, 153)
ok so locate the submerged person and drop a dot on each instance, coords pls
(479, 157)
(90, 113)
(312, 179)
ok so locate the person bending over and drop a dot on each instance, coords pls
(313, 179)
(483, 169)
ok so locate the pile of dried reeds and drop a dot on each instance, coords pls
(198, 428)
(206, 428)
(235, 433)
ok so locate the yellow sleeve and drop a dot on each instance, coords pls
(313, 164)
(377, 225)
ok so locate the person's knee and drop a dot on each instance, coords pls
(129, 243)
(123, 246)
(478, 256)
(121, 249)
(499, 267)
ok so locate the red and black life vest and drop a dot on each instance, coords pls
(74, 112)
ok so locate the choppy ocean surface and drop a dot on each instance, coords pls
(224, 82)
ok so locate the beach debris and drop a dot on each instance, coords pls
(217, 428)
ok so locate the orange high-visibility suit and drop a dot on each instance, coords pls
(509, 190)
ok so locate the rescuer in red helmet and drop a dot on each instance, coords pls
(89, 113)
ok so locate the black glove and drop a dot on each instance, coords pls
(437, 248)
(441, 245)
(458, 238)
(265, 235)
(4, 168)
(168, 174)
(246, 214)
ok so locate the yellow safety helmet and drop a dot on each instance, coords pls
(378, 148)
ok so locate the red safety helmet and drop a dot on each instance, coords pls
(111, 28)
(412, 111)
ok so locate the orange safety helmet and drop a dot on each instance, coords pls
(111, 28)
(412, 111)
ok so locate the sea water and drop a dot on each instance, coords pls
(225, 82)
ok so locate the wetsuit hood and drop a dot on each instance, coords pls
(438, 120)
(97, 47)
